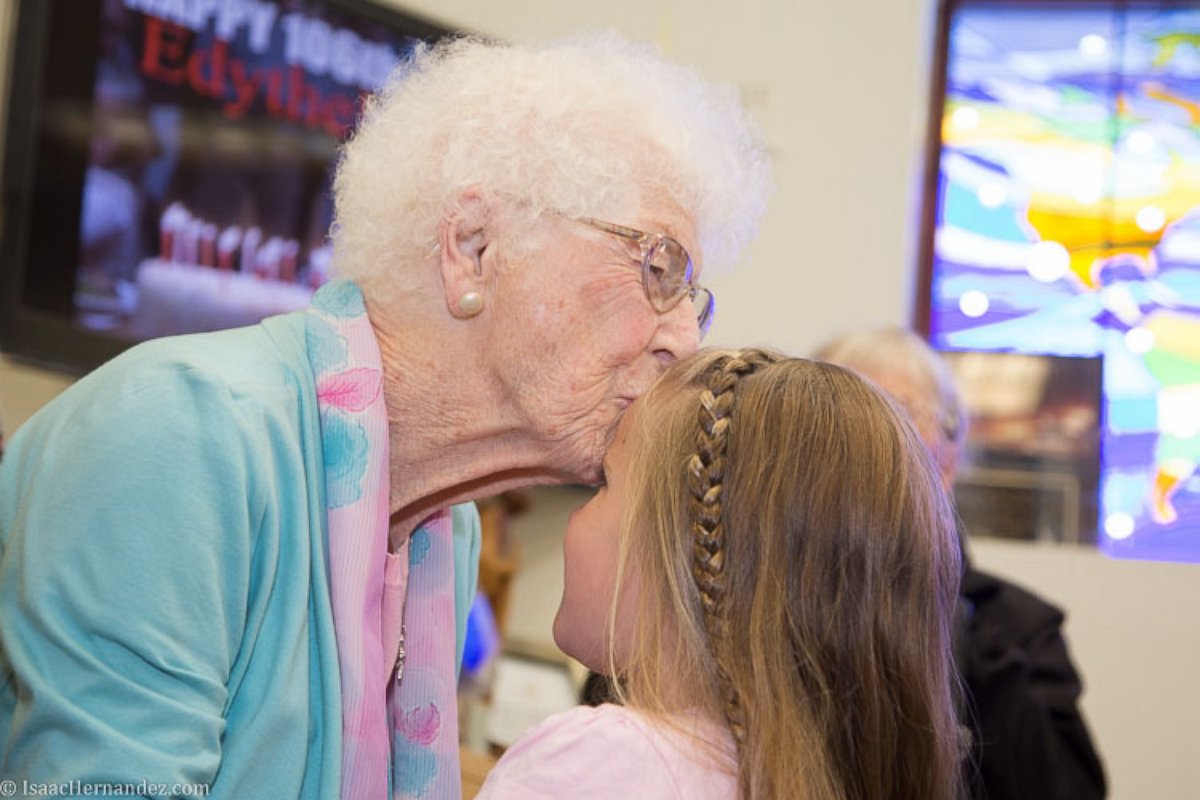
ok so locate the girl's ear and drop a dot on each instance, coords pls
(466, 244)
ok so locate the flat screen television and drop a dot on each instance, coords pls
(167, 164)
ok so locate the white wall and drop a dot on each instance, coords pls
(840, 88)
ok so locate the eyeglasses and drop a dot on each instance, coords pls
(666, 272)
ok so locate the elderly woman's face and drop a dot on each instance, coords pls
(584, 339)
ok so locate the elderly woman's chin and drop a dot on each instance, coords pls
(584, 464)
(600, 439)
(574, 445)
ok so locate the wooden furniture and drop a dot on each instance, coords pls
(475, 767)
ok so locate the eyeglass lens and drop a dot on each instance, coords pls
(668, 273)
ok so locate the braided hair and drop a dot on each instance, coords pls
(706, 476)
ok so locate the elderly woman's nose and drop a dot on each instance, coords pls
(678, 334)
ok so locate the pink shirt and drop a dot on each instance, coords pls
(612, 752)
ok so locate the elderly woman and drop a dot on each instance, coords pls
(235, 559)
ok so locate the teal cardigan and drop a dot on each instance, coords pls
(164, 597)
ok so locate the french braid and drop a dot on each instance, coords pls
(706, 478)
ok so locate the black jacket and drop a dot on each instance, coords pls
(1030, 741)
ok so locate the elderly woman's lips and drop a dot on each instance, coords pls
(625, 402)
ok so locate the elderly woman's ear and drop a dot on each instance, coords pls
(468, 252)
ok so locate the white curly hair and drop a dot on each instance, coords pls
(587, 126)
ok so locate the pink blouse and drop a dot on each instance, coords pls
(614, 752)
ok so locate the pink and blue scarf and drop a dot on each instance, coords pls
(399, 732)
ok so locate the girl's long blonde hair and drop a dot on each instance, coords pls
(797, 570)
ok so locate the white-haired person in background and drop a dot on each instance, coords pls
(1029, 738)
(242, 559)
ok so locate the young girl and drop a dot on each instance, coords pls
(770, 573)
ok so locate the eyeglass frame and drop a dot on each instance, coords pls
(650, 243)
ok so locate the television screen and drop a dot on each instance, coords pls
(168, 164)
(1066, 221)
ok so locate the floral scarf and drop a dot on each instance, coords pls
(399, 712)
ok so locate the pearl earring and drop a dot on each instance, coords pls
(470, 304)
